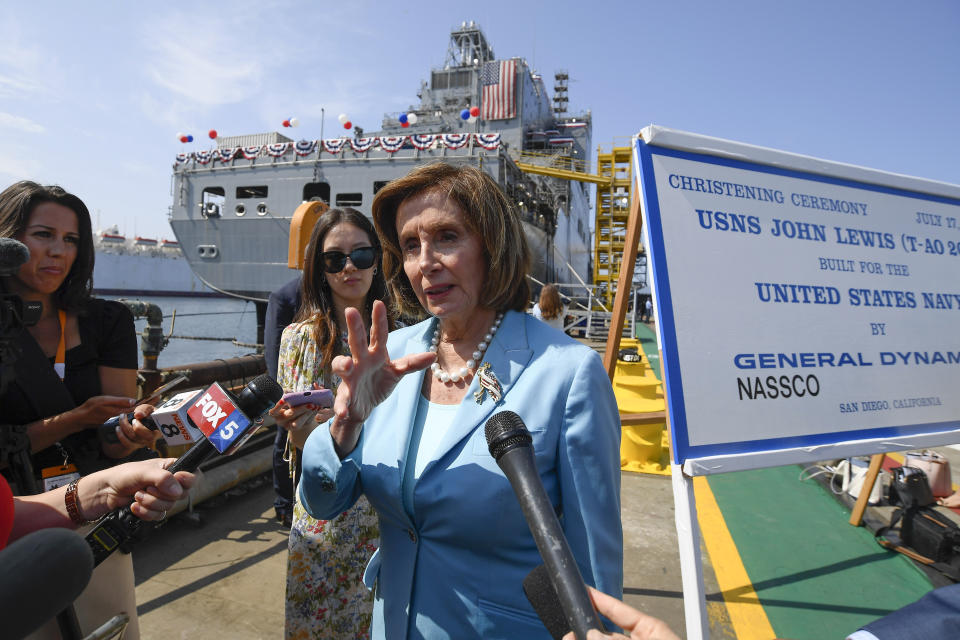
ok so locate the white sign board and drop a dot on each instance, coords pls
(806, 309)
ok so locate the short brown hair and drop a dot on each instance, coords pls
(17, 203)
(550, 306)
(490, 215)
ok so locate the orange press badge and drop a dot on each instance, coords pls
(54, 477)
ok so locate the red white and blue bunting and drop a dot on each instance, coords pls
(389, 144)
(455, 140)
(423, 141)
(392, 144)
(334, 145)
(361, 145)
(278, 149)
(489, 141)
(573, 125)
(560, 141)
(305, 147)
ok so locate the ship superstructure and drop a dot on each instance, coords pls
(232, 205)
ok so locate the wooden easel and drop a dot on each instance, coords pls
(691, 568)
(876, 463)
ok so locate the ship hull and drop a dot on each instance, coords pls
(139, 275)
(245, 255)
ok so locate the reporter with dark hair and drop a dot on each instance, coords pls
(78, 363)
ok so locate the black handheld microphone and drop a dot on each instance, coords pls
(510, 445)
(43, 573)
(13, 254)
(227, 423)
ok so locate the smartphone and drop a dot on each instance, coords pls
(162, 389)
(320, 397)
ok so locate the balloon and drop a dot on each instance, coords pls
(213, 134)
(472, 119)
(189, 138)
(475, 111)
(465, 114)
(404, 124)
(348, 125)
(342, 118)
(183, 139)
(412, 118)
(286, 123)
(180, 136)
(294, 122)
(403, 118)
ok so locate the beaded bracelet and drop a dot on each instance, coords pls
(73, 505)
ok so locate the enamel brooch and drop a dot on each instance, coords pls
(488, 383)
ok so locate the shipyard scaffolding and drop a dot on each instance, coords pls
(610, 226)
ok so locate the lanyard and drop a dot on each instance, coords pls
(60, 363)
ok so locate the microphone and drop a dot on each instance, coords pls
(225, 420)
(43, 573)
(13, 254)
(170, 419)
(510, 445)
(544, 600)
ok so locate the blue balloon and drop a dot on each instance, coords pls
(189, 138)
(402, 118)
(465, 114)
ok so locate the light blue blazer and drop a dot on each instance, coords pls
(455, 568)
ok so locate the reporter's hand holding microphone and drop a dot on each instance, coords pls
(639, 625)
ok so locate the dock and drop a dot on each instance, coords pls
(779, 556)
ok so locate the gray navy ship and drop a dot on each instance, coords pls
(233, 205)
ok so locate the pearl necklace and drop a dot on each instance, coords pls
(462, 374)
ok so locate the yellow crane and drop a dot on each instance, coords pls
(614, 180)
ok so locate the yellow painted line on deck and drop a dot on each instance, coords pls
(747, 616)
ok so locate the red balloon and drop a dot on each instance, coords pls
(475, 111)
(348, 125)
(183, 139)
(404, 124)
(286, 123)
(212, 134)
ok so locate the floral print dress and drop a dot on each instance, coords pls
(326, 597)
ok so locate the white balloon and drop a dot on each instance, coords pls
(294, 122)
(412, 118)
(179, 135)
(472, 119)
(342, 118)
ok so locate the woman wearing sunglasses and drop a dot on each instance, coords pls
(326, 597)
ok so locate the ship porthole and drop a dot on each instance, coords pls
(262, 209)
(240, 210)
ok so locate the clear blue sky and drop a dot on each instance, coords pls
(92, 94)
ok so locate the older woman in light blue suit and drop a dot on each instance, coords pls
(455, 547)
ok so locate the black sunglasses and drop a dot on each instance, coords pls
(362, 258)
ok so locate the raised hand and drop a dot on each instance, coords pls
(368, 376)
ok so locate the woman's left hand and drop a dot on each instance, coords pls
(299, 421)
(133, 435)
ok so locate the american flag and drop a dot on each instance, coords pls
(498, 80)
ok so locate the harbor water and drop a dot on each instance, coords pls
(227, 326)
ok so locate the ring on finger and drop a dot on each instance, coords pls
(163, 516)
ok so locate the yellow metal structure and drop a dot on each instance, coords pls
(612, 212)
(644, 443)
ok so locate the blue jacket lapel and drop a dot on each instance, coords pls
(508, 355)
